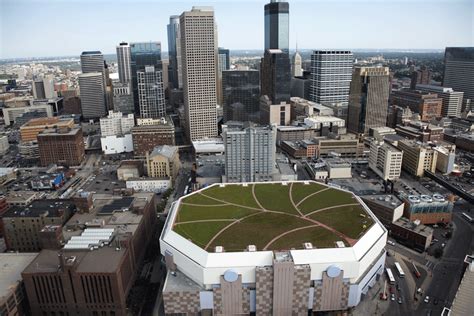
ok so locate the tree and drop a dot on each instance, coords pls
(438, 252)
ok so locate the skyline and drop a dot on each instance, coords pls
(438, 24)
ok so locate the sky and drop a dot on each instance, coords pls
(43, 28)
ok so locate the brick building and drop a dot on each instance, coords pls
(147, 137)
(427, 104)
(61, 146)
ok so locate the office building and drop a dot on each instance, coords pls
(417, 157)
(301, 86)
(331, 73)
(92, 61)
(428, 209)
(386, 207)
(249, 153)
(198, 34)
(264, 275)
(421, 131)
(279, 114)
(342, 147)
(275, 76)
(13, 300)
(151, 95)
(62, 146)
(163, 162)
(22, 224)
(38, 89)
(124, 63)
(123, 98)
(277, 25)
(98, 265)
(385, 160)
(30, 130)
(452, 100)
(92, 91)
(420, 76)
(428, 105)
(459, 70)
(147, 137)
(174, 48)
(297, 65)
(241, 87)
(446, 158)
(223, 63)
(368, 100)
(72, 105)
(12, 113)
(4, 144)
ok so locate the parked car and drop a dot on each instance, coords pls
(392, 297)
(427, 299)
(390, 242)
(399, 300)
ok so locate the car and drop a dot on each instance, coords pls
(443, 245)
(392, 297)
(427, 299)
(419, 291)
(399, 300)
(390, 243)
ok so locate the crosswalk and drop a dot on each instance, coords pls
(429, 264)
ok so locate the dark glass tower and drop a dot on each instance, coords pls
(277, 25)
(241, 91)
(276, 76)
(459, 71)
(173, 36)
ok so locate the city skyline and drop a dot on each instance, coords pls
(313, 25)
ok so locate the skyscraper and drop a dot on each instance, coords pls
(38, 89)
(331, 73)
(368, 101)
(296, 65)
(91, 87)
(173, 41)
(151, 96)
(277, 25)
(92, 61)
(459, 70)
(124, 63)
(241, 87)
(223, 63)
(198, 34)
(276, 76)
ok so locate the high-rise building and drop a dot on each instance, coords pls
(92, 61)
(48, 84)
(297, 65)
(116, 124)
(198, 34)
(123, 98)
(420, 76)
(427, 104)
(277, 25)
(417, 157)
(38, 89)
(223, 63)
(459, 70)
(91, 87)
(250, 153)
(241, 87)
(368, 100)
(63, 146)
(151, 95)
(331, 73)
(385, 160)
(173, 46)
(276, 76)
(452, 100)
(124, 63)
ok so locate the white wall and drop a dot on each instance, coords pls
(116, 145)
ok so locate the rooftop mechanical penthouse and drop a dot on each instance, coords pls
(273, 248)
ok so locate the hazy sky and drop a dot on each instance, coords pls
(37, 28)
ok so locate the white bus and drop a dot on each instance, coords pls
(467, 217)
(400, 272)
(391, 279)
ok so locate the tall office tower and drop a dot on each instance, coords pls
(277, 25)
(459, 71)
(241, 93)
(296, 65)
(250, 153)
(368, 100)
(91, 87)
(452, 100)
(124, 62)
(173, 37)
(276, 76)
(223, 63)
(93, 61)
(331, 73)
(420, 76)
(199, 58)
(38, 89)
(151, 95)
(142, 55)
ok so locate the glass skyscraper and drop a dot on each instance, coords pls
(277, 25)
(173, 38)
(459, 71)
(276, 76)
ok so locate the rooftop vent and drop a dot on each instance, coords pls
(219, 249)
(308, 245)
(340, 244)
(251, 248)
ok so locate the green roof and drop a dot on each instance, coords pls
(271, 216)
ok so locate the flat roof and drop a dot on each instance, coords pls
(463, 304)
(386, 200)
(271, 216)
(419, 229)
(11, 266)
(38, 208)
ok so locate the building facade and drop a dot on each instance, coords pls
(241, 87)
(174, 51)
(452, 100)
(427, 104)
(420, 76)
(270, 113)
(151, 95)
(459, 70)
(163, 162)
(92, 89)
(417, 157)
(29, 131)
(385, 160)
(123, 98)
(61, 146)
(147, 137)
(277, 25)
(275, 76)
(124, 63)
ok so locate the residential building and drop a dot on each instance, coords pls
(279, 114)
(428, 209)
(385, 160)
(421, 76)
(452, 100)
(92, 91)
(277, 25)
(386, 207)
(163, 162)
(427, 104)
(249, 153)
(151, 95)
(155, 185)
(331, 73)
(275, 78)
(63, 146)
(241, 87)
(368, 100)
(198, 34)
(123, 98)
(29, 131)
(459, 70)
(124, 63)
(174, 51)
(116, 124)
(411, 234)
(417, 157)
(146, 137)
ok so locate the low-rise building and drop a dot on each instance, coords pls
(338, 169)
(428, 209)
(130, 169)
(163, 162)
(446, 157)
(326, 124)
(427, 104)
(10, 114)
(417, 157)
(63, 146)
(411, 234)
(342, 147)
(385, 160)
(4, 144)
(30, 130)
(20, 198)
(420, 131)
(295, 133)
(452, 100)
(117, 144)
(7, 175)
(156, 185)
(299, 149)
(387, 207)
(209, 146)
(379, 133)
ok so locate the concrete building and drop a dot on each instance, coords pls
(20, 198)
(297, 65)
(116, 124)
(428, 105)
(428, 209)
(342, 147)
(22, 224)
(11, 114)
(198, 33)
(241, 87)
(124, 63)
(117, 144)
(249, 153)
(118, 229)
(7, 175)
(61, 146)
(331, 73)
(92, 90)
(299, 149)
(174, 51)
(387, 207)
(295, 133)
(147, 137)
(123, 98)
(379, 133)
(301, 86)
(326, 124)
(459, 70)
(30, 130)
(163, 162)
(279, 114)
(452, 100)
(417, 157)
(13, 300)
(4, 144)
(420, 131)
(463, 303)
(130, 169)
(411, 234)
(339, 169)
(385, 160)
(446, 158)
(368, 100)
(155, 185)
(151, 94)
(206, 147)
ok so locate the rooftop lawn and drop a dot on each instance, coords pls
(327, 198)
(275, 197)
